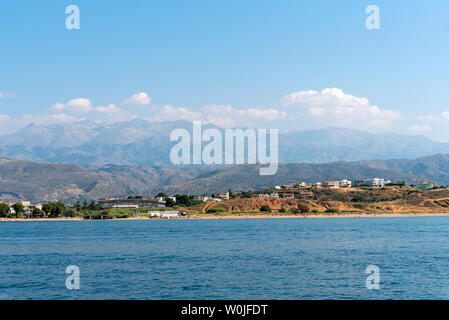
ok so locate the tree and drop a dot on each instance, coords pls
(37, 212)
(78, 206)
(265, 208)
(18, 208)
(47, 208)
(303, 208)
(161, 194)
(186, 200)
(57, 209)
(93, 206)
(169, 202)
(53, 209)
(4, 210)
(70, 213)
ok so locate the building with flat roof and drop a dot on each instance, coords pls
(165, 214)
(425, 185)
(375, 182)
(109, 203)
(306, 195)
(331, 184)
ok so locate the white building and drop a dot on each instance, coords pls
(345, 183)
(164, 214)
(223, 195)
(375, 182)
(202, 198)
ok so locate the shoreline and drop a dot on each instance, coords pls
(247, 216)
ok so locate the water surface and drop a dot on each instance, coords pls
(227, 259)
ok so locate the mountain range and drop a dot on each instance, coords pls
(38, 181)
(143, 143)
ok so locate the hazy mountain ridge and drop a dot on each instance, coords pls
(38, 181)
(143, 143)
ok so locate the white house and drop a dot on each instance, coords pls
(345, 183)
(164, 214)
(263, 195)
(224, 195)
(375, 182)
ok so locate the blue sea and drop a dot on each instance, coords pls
(227, 259)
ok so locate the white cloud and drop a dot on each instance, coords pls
(445, 115)
(111, 113)
(419, 128)
(7, 95)
(79, 105)
(227, 116)
(110, 108)
(428, 118)
(4, 118)
(220, 115)
(138, 99)
(169, 113)
(335, 107)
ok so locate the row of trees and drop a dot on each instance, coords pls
(4, 210)
(51, 209)
(181, 200)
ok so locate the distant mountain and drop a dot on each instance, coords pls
(142, 143)
(38, 181)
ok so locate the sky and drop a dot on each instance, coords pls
(291, 65)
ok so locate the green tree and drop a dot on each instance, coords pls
(37, 212)
(161, 194)
(18, 208)
(77, 207)
(4, 209)
(70, 213)
(265, 208)
(59, 209)
(93, 206)
(53, 209)
(47, 207)
(186, 200)
(169, 202)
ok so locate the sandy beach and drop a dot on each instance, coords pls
(248, 216)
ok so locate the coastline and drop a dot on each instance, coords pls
(246, 216)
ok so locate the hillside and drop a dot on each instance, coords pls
(38, 181)
(354, 200)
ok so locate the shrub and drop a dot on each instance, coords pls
(282, 210)
(265, 208)
(4, 209)
(215, 210)
(332, 210)
(119, 213)
(303, 208)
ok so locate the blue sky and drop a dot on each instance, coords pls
(282, 64)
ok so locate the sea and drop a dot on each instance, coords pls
(322, 258)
